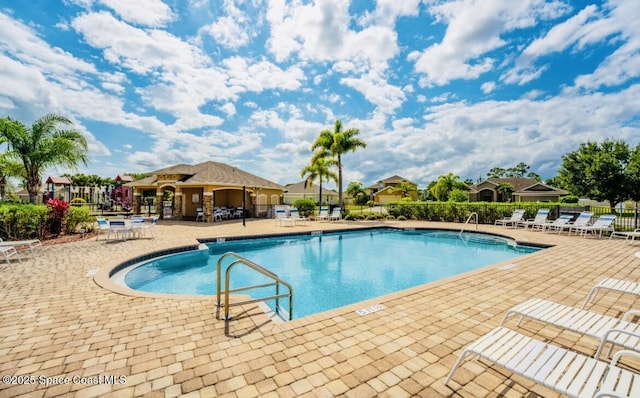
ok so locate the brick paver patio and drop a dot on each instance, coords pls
(59, 326)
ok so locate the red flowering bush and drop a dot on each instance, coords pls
(57, 212)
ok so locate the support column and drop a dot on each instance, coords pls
(136, 201)
(178, 210)
(207, 205)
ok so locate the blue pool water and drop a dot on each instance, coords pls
(330, 270)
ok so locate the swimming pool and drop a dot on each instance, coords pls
(331, 269)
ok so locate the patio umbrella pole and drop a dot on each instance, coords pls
(244, 195)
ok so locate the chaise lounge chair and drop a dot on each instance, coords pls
(515, 218)
(557, 224)
(323, 215)
(282, 219)
(31, 243)
(616, 285)
(336, 214)
(626, 235)
(294, 214)
(602, 224)
(8, 252)
(602, 327)
(583, 219)
(541, 218)
(564, 371)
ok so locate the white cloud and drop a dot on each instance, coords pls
(475, 28)
(488, 87)
(152, 13)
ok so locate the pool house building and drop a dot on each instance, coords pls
(181, 190)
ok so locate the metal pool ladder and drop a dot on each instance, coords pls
(467, 222)
(248, 263)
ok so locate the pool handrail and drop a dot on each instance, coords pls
(473, 213)
(240, 260)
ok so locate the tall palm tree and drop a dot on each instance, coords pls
(337, 143)
(43, 145)
(319, 168)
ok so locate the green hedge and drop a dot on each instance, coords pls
(23, 221)
(488, 213)
(20, 221)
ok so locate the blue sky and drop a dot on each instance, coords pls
(434, 86)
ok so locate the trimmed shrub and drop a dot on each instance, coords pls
(22, 221)
(305, 207)
(569, 199)
(78, 216)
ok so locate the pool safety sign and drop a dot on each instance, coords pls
(370, 310)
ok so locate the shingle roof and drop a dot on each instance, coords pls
(58, 180)
(213, 173)
(519, 184)
(300, 188)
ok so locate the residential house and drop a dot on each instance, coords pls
(382, 192)
(525, 190)
(299, 190)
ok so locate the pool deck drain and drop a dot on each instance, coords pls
(56, 322)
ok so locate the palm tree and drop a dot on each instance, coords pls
(405, 188)
(445, 184)
(504, 190)
(337, 143)
(42, 145)
(319, 168)
(355, 190)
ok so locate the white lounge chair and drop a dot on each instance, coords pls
(602, 224)
(336, 214)
(515, 218)
(615, 285)
(540, 219)
(582, 220)
(294, 214)
(627, 235)
(282, 219)
(30, 243)
(557, 224)
(564, 371)
(323, 215)
(602, 327)
(8, 252)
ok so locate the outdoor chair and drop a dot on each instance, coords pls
(30, 243)
(336, 214)
(615, 285)
(627, 235)
(582, 220)
(120, 229)
(141, 225)
(217, 214)
(282, 219)
(602, 327)
(538, 221)
(602, 224)
(297, 219)
(557, 224)
(323, 215)
(564, 371)
(103, 225)
(199, 214)
(8, 252)
(515, 218)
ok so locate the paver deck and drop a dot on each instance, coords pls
(58, 326)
